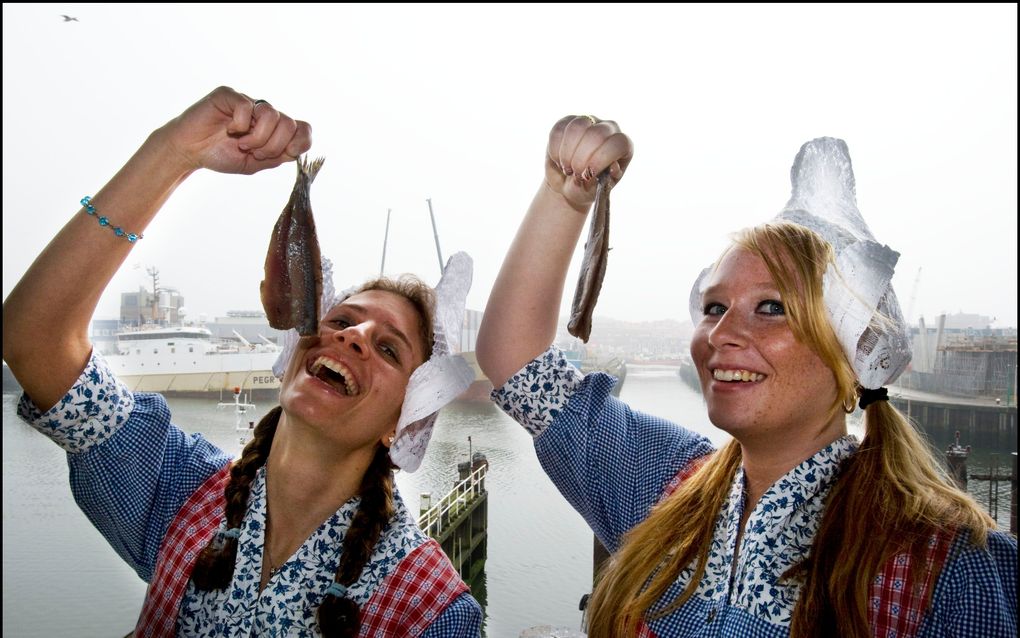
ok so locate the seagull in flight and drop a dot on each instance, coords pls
(68, 18)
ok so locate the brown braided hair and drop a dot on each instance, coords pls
(339, 616)
(214, 566)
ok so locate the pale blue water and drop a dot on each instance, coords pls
(61, 579)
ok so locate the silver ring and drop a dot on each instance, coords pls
(257, 102)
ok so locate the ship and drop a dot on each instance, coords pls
(190, 361)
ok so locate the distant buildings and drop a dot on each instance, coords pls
(665, 340)
(250, 324)
(962, 355)
(143, 307)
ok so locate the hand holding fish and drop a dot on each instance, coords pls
(225, 131)
(228, 132)
(523, 312)
(580, 148)
(585, 158)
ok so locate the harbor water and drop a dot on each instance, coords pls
(61, 579)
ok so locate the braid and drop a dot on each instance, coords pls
(214, 567)
(339, 617)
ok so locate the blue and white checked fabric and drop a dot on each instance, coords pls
(612, 463)
(132, 470)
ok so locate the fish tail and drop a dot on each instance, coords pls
(309, 169)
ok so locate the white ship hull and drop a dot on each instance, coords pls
(211, 373)
(187, 363)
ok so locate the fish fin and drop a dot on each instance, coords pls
(309, 168)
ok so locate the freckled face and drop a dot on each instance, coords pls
(350, 378)
(757, 378)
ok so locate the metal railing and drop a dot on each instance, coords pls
(436, 518)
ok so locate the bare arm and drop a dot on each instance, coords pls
(46, 316)
(521, 316)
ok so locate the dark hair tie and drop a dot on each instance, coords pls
(869, 396)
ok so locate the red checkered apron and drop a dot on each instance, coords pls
(408, 600)
(187, 536)
(896, 604)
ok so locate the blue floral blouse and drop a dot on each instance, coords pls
(613, 463)
(131, 470)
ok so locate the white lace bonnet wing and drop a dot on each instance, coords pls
(859, 298)
(437, 381)
(444, 376)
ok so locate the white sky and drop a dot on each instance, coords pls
(455, 103)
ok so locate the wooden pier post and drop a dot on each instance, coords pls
(1012, 498)
(459, 520)
(956, 460)
(599, 558)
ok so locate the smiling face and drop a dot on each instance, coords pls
(349, 380)
(756, 376)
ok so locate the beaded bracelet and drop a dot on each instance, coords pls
(104, 221)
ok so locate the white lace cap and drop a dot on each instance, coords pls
(859, 298)
(434, 383)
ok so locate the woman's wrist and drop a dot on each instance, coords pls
(549, 199)
(170, 163)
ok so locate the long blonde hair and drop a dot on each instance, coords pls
(891, 497)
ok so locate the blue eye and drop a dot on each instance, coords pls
(772, 307)
(713, 309)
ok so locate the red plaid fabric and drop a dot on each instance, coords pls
(685, 473)
(405, 604)
(897, 603)
(187, 536)
(413, 595)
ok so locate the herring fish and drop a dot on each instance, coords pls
(292, 289)
(593, 268)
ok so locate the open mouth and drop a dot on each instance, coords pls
(735, 376)
(335, 374)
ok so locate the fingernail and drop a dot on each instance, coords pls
(568, 170)
(243, 147)
(259, 155)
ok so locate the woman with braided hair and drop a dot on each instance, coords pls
(305, 534)
(794, 527)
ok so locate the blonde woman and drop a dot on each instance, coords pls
(794, 527)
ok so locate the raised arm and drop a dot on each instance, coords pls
(523, 310)
(46, 316)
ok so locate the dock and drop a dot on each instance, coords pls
(459, 520)
(982, 421)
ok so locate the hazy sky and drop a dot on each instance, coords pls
(455, 103)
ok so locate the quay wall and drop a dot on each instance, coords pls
(991, 426)
(981, 424)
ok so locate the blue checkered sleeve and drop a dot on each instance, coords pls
(461, 619)
(976, 592)
(610, 462)
(131, 469)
